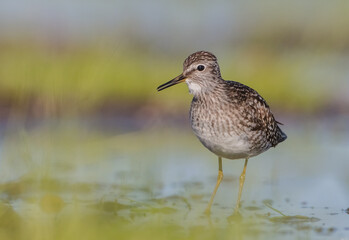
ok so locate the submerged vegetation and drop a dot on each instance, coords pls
(70, 182)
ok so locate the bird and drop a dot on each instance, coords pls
(229, 118)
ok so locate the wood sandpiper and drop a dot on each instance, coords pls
(230, 119)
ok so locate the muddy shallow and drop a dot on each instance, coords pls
(68, 180)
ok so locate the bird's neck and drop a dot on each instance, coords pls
(201, 88)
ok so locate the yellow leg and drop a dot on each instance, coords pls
(242, 181)
(219, 179)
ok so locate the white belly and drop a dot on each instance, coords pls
(231, 147)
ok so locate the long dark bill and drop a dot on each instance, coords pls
(174, 81)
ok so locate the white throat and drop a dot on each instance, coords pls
(194, 88)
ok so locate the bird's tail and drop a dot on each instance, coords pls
(281, 135)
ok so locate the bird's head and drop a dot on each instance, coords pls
(200, 72)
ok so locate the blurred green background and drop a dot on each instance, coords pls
(294, 53)
(90, 149)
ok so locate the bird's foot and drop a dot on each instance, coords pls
(207, 212)
(235, 217)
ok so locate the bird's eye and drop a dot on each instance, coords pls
(201, 67)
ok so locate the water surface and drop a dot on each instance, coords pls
(70, 180)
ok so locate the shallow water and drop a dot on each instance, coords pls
(63, 181)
